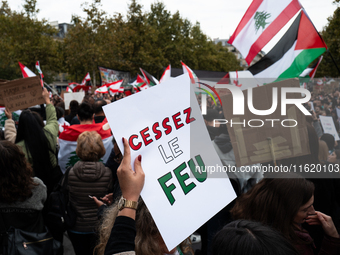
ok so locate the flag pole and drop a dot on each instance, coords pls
(53, 90)
(333, 61)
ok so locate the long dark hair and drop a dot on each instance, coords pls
(31, 131)
(15, 174)
(275, 202)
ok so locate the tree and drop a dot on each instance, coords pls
(25, 39)
(331, 35)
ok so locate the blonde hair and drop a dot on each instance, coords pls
(90, 146)
(148, 239)
(323, 151)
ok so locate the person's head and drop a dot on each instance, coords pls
(329, 139)
(31, 131)
(98, 107)
(148, 239)
(334, 157)
(323, 151)
(85, 112)
(60, 112)
(278, 202)
(248, 237)
(74, 106)
(15, 174)
(90, 146)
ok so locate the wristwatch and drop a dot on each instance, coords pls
(123, 203)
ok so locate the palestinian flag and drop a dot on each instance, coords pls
(102, 90)
(297, 48)
(166, 75)
(309, 72)
(192, 75)
(25, 71)
(150, 80)
(68, 143)
(261, 22)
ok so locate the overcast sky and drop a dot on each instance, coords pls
(218, 18)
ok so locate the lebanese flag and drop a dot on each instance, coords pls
(166, 75)
(69, 90)
(68, 143)
(25, 71)
(114, 87)
(192, 75)
(309, 72)
(81, 87)
(150, 80)
(86, 78)
(102, 90)
(297, 48)
(121, 89)
(261, 22)
(72, 85)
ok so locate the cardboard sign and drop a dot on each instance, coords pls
(21, 93)
(259, 139)
(68, 97)
(164, 125)
(328, 126)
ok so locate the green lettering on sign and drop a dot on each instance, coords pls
(199, 172)
(167, 189)
(181, 178)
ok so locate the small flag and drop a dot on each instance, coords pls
(166, 75)
(102, 89)
(37, 66)
(25, 71)
(309, 72)
(192, 75)
(86, 78)
(150, 80)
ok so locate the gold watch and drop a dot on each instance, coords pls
(123, 203)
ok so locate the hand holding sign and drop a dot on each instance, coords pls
(131, 182)
(8, 114)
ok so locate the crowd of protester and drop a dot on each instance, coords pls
(287, 215)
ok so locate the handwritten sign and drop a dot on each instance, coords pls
(328, 126)
(164, 125)
(21, 93)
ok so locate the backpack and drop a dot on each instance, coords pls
(60, 214)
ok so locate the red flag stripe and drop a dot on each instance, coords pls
(72, 132)
(273, 29)
(247, 16)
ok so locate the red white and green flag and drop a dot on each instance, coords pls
(309, 72)
(114, 86)
(37, 66)
(261, 22)
(69, 90)
(68, 143)
(166, 75)
(102, 90)
(297, 48)
(192, 75)
(86, 78)
(150, 80)
(25, 71)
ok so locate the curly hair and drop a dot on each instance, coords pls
(148, 239)
(15, 174)
(90, 146)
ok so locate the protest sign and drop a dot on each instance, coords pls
(21, 93)
(328, 126)
(68, 97)
(164, 125)
(259, 139)
(108, 75)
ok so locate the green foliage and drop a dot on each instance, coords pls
(27, 40)
(331, 35)
(151, 40)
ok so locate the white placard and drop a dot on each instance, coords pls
(68, 97)
(175, 136)
(328, 126)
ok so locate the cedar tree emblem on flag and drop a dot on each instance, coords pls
(260, 20)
